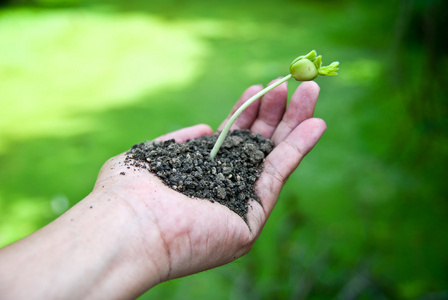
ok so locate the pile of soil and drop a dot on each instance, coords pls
(187, 168)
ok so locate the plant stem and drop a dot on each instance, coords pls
(232, 119)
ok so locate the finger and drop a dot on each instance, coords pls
(186, 133)
(285, 158)
(248, 116)
(301, 107)
(271, 110)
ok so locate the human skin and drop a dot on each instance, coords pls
(132, 232)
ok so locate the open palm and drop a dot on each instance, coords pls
(196, 234)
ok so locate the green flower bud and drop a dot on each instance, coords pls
(308, 67)
(329, 70)
(303, 70)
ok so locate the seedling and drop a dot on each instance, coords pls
(303, 68)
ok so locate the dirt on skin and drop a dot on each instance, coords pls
(187, 168)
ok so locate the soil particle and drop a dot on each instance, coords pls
(187, 168)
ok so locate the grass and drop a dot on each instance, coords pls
(364, 215)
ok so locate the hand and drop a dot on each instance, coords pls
(133, 232)
(197, 234)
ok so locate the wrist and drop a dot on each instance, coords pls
(132, 260)
(95, 250)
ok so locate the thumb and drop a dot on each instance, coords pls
(187, 133)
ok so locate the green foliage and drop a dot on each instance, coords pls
(366, 214)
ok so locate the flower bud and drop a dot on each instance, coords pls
(303, 70)
(308, 67)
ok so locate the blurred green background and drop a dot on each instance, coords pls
(366, 214)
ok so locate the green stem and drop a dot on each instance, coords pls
(232, 119)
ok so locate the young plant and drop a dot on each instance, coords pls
(303, 68)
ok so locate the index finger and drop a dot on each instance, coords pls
(248, 116)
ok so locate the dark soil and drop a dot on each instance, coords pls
(187, 168)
